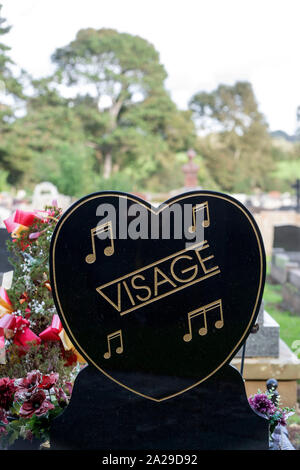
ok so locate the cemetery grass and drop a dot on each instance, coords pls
(289, 323)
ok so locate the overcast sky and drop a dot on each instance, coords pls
(202, 43)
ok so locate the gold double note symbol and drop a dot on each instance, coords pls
(204, 210)
(111, 337)
(109, 250)
(217, 304)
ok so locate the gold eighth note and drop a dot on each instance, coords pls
(203, 311)
(109, 250)
(203, 207)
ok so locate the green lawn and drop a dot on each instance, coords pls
(289, 324)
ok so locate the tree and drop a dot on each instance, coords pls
(11, 90)
(120, 126)
(134, 129)
(9, 84)
(238, 147)
(228, 108)
(48, 143)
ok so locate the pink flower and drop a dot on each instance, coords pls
(26, 386)
(3, 431)
(68, 387)
(261, 403)
(3, 416)
(7, 390)
(36, 405)
(283, 420)
(61, 397)
(34, 235)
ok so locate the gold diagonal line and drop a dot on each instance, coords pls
(193, 247)
(172, 292)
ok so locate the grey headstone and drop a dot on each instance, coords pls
(4, 253)
(294, 277)
(280, 266)
(287, 237)
(260, 316)
(264, 343)
(275, 251)
(281, 259)
(291, 298)
(294, 256)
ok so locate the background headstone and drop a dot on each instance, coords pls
(287, 237)
(44, 193)
(4, 254)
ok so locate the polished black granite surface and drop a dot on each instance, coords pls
(168, 307)
(158, 319)
(213, 415)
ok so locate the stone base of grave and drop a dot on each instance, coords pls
(215, 415)
(265, 342)
(285, 369)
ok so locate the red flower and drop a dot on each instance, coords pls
(3, 430)
(26, 386)
(48, 381)
(7, 390)
(71, 358)
(24, 298)
(37, 404)
(3, 416)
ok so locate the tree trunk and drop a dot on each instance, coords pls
(107, 166)
(114, 112)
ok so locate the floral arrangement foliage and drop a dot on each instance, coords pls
(28, 405)
(267, 404)
(38, 363)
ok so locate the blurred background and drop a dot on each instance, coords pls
(97, 95)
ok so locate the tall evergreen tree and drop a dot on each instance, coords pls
(11, 92)
(139, 126)
(9, 84)
(238, 146)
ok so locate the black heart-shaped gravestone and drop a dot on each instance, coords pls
(158, 299)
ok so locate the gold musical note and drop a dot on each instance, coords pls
(203, 311)
(109, 250)
(206, 221)
(119, 349)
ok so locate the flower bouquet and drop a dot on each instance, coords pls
(38, 362)
(265, 404)
(28, 405)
